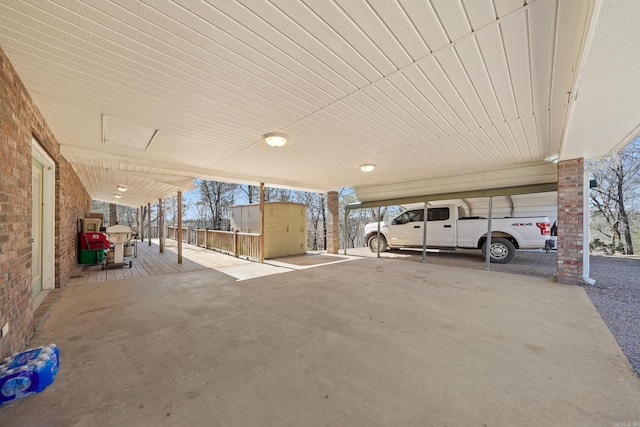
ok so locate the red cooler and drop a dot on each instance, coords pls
(91, 247)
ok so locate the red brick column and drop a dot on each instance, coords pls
(333, 229)
(570, 221)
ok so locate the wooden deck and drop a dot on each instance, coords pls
(150, 262)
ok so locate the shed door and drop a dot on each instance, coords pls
(297, 230)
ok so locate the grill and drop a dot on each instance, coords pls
(119, 235)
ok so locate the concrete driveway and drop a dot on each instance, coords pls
(368, 342)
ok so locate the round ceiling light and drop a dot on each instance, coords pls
(367, 167)
(122, 188)
(117, 196)
(276, 139)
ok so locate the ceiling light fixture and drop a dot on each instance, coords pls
(276, 139)
(117, 196)
(367, 167)
(122, 188)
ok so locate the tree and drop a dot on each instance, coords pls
(615, 200)
(113, 214)
(218, 197)
(251, 192)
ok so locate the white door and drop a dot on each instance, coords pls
(440, 228)
(406, 229)
(43, 173)
(36, 227)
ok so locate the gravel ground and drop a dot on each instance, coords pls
(616, 293)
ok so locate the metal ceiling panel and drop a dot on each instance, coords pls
(515, 37)
(387, 97)
(403, 29)
(319, 38)
(366, 19)
(445, 115)
(505, 7)
(336, 18)
(479, 12)
(459, 77)
(475, 69)
(542, 34)
(494, 57)
(426, 22)
(422, 121)
(438, 76)
(453, 18)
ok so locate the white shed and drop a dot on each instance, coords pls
(285, 226)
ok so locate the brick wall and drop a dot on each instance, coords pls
(333, 229)
(570, 221)
(20, 121)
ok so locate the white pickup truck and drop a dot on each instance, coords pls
(449, 227)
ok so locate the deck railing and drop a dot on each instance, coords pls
(231, 242)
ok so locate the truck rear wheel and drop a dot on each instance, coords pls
(373, 243)
(502, 250)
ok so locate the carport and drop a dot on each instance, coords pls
(538, 199)
(397, 99)
(431, 95)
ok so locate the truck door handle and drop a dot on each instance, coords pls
(416, 226)
(447, 226)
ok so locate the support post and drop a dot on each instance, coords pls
(235, 243)
(141, 219)
(346, 229)
(570, 221)
(487, 260)
(425, 216)
(333, 224)
(179, 227)
(261, 222)
(149, 222)
(378, 236)
(160, 226)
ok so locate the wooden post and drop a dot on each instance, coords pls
(346, 229)
(149, 222)
(261, 222)
(235, 243)
(141, 219)
(160, 225)
(179, 227)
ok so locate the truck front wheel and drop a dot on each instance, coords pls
(373, 243)
(502, 250)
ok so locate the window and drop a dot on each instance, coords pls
(438, 214)
(409, 216)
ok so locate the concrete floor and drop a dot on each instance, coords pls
(368, 342)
